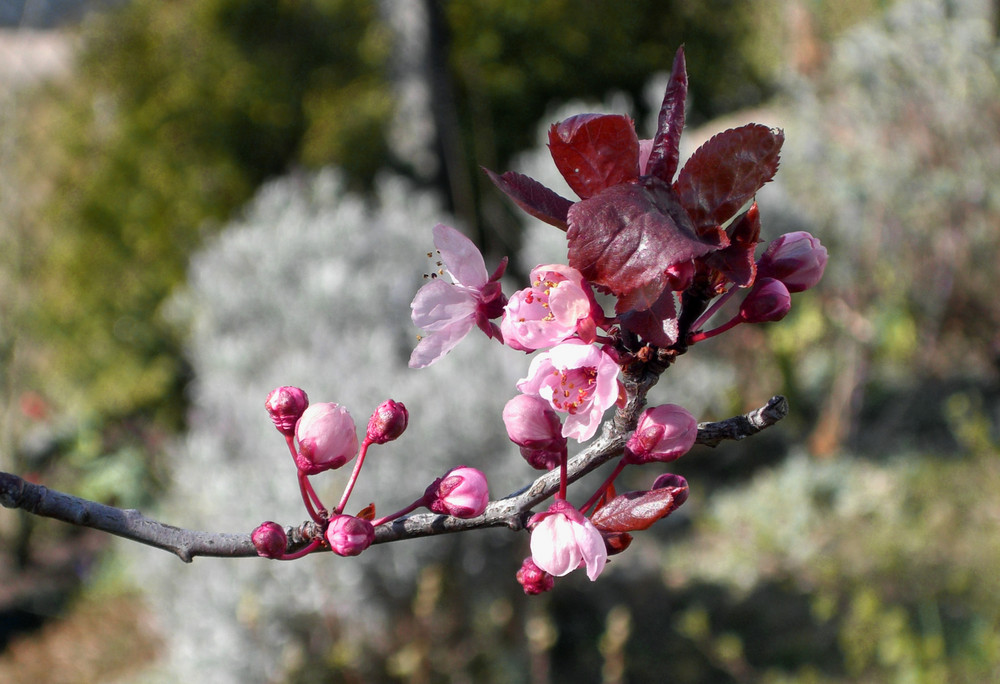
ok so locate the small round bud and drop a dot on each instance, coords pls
(348, 535)
(533, 579)
(664, 433)
(327, 438)
(387, 422)
(270, 540)
(285, 406)
(672, 481)
(768, 301)
(533, 425)
(463, 493)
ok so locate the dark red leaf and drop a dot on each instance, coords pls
(533, 197)
(595, 151)
(737, 262)
(626, 237)
(657, 324)
(727, 171)
(666, 143)
(634, 511)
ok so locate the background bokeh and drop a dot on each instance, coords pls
(201, 200)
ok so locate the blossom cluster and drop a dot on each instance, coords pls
(667, 247)
(671, 252)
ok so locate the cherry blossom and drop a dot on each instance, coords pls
(558, 305)
(562, 540)
(796, 259)
(463, 492)
(574, 378)
(664, 433)
(448, 311)
(533, 425)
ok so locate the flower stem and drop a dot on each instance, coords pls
(604, 486)
(313, 545)
(700, 336)
(716, 305)
(309, 496)
(400, 513)
(354, 476)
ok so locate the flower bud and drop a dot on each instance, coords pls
(463, 492)
(387, 422)
(534, 426)
(327, 438)
(768, 301)
(285, 406)
(348, 535)
(796, 259)
(673, 481)
(663, 433)
(270, 540)
(533, 579)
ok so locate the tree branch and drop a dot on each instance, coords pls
(511, 511)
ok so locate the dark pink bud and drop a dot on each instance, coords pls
(348, 535)
(285, 406)
(387, 422)
(768, 301)
(327, 438)
(463, 492)
(663, 433)
(796, 259)
(533, 425)
(270, 540)
(533, 579)
(676, 482)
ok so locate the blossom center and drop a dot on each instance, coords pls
(573, 388)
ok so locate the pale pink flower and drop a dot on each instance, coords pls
(327, 438)
(664, 433)
(796, 259)
(562, 540)
(448, 311)
(534, 426)
(463, 492)
(574, 378)
(558, 305)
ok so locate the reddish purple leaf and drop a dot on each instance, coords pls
(595, 151)
(737, 262)
(666, 143)
(626, 237)
(633, 511)
(656, 324)
(727, 171)
(533, 197)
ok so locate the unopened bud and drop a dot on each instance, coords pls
(768, 301)
(327, 438)
(387, 422)
(796, 259)
(663, 433)
(270, 540)
(535, 427)
(463, 493)
(285, 406)
(348, 535)
(672, 481)
(533, 579)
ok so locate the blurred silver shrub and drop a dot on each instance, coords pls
(312, 288)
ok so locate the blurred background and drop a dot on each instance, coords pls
(202, 200)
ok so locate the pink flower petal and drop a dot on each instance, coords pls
(460, 256)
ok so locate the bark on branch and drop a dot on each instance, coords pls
(511, 511)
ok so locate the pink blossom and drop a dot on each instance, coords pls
(448, 311)
(348, 535)
(664, 433)
(285, 406)
(463, 492)
(574, 378)
(558, 305)
(796, 259)
(562, 540)
(327, 438)
(534, 426)
(768, 301)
